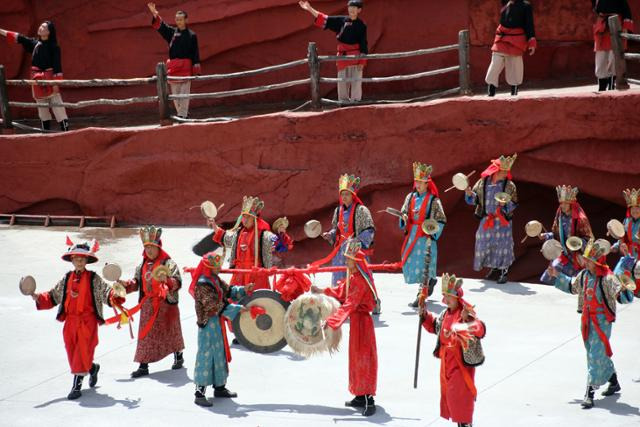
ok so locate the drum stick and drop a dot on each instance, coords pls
(524, 238)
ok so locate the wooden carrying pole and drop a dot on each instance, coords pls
(314, 75)
(163, 93)
(463, 57)
(4, 100)
(618, 52)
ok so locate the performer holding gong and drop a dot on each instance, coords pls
(629, 245)
(458, 347)
(495, 198)
(358, 295)
(570, 221)
(80, 295)
(420, 250)
(598, 291)
(212, 299)
(157, 279)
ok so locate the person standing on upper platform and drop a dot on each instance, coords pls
(184, 56)
(352, 40)
(514, 36)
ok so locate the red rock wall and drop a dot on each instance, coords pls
(114, 39)
(293, 162)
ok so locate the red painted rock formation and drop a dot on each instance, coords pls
(293, 161)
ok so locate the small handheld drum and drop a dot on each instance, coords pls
(112, 272)
(28, 285)
(430, 226)
(303, 325)
(160, 272)
(502, 197)
(209, 210)
(551, 249)
(627, 282)
(533, 228)
(460, 181)
(265, 333)
(615, 229)
(313, 229)
(574, 243)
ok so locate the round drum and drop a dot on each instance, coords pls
(313, 229)
(28, 285)
(265, 333)
(112, 272)
(616, 229)
(551, 249)
(303, 325)
(209, 210)
(533, 228)
(460, 181)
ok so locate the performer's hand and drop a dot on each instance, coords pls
(468, 192)
(211, 223)
(249, 287)
(551, 271)
(244, 309)
(541, 236)
(316, 290)
(624, 249)
(304, 5)
(326, 235)
(35, 296)
(532, 50)
(3, 32)
(152, 9)
(162, 277)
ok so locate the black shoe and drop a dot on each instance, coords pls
(514, 90)
(491, 91)
(369, 407)
(356, 402)
(93, 375)
(603, 84)
(235, 341)
(143, 370)
(415, 302)
(222, 391)
(201, 399)
(614, 386)
(587, 403)
(46, 124)
(503, 276)
(75, 389)
(612, 83)
(64, 125)
(178, 360)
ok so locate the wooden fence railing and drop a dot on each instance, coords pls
(620, 56)
(314, 61)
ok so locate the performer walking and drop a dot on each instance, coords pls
(46, 64)
(352, 40)
(212, 296)
(495, 198)
(358, 296)
(570, 221)
(157, 279)
(605, 68)
(251, 242)
(598, 291)
(420, 251)
(629, 246)
(458, 347)
(80, 295)
(514, 36)
(184, 56)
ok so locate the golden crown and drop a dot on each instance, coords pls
(350, 183)
(567, 193)
(352, 247)
(150, 235)
(215, 259)
(252, 206)
(632, 197)
(506, 162)
(280, 222)
(421, 171)
(450, 284)
(596, 249)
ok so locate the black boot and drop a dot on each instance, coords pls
(602, 84)
(503, 276)
(587, 403)
(93, 375)
(46, 124)
(356, 402)
(514, 90)
(369, 406)
(178, 360)
(143, 370)
(75, 389)
(614, 386)
(222, 391)
(415, 302)
(201, 399)
(612, 83)
(491, 91)
(64, 125)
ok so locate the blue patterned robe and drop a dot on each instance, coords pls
(626, 263)
(587, 286)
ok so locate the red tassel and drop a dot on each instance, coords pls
(69, 242)
(256, 310)
(96, 246)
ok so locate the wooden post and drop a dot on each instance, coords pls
(618, 52)
(463, 57)
(314, 75)
(163, 93)
(4, 100)
(113, 222)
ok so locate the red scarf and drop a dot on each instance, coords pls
(494, 168)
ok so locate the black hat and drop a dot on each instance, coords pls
(356, 3)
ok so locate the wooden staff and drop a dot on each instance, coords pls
(415, 372)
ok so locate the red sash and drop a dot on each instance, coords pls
(41, 91)
(179, 67)
(511, 41)
(490, 222)
(349, 50)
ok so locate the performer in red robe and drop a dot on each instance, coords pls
(358, 296)
(459, 350)
(160, 333)
(251, 243)
(80, 295)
